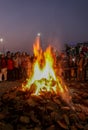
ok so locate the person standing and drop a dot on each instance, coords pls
(10, 67)
(3, 67)
(16, 66)
(80, 68)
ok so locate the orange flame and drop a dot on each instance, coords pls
(44, 77)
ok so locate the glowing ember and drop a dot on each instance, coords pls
(43, 76)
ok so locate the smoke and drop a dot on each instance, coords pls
(55, 43)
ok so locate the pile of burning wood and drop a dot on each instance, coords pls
(19, 110)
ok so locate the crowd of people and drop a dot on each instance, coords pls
(71, 65)
(74, 63)
(14, 66)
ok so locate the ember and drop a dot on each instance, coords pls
(44, 77)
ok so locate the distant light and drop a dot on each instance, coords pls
(1, 39)
(38, 34)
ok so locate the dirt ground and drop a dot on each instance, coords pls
(7, 85)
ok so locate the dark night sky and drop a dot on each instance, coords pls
(58, 21)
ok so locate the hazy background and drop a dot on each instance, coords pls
(58, 21)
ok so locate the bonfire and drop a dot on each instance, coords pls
(43, 102)
(43, 76)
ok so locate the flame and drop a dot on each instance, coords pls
(44, 77)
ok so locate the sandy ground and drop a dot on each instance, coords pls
(7, 85)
